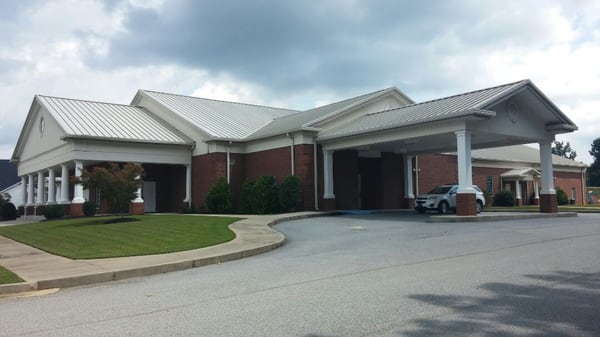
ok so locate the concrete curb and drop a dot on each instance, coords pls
(498, 217)
(114, 275)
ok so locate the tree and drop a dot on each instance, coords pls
(117, 183)
(593, 172)
(563, 149)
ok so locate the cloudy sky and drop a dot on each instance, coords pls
(298, 54)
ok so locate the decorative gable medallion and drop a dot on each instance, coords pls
(42, 126)
(512, 111)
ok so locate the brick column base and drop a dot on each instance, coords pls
(548, 203)
(136, 208)
(328, 205)
(518, 202)
(76, 210)
(536, 201)
(466, 204)
(409, 203)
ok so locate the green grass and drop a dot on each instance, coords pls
(90, 238)
(7, 276)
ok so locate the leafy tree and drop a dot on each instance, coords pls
(117, 183)
(593, 172)
(563, 149)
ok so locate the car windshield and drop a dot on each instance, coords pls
(440, 190)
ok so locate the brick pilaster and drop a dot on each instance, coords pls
(466, 204)
(76, 210)
(136, 208)
(548, 203)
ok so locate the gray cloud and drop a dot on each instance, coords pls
(293, 45)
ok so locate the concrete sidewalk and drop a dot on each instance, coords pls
(42, 270)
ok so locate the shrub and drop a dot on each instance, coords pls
(8, 211)
(218, 199)
(54, 211)
(504, 198)
(289, 193)
(487, 196)
(561, 196)
(89, 208)
(247, 199)
(260, 196)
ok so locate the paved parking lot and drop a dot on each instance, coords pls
(362, 275)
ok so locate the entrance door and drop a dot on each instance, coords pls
(149, 196)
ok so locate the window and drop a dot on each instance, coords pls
(573, 193)
(489, 184)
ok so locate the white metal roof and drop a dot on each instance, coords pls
(308, 118)
(220, 119)
(79, 118)
(520, 154)
(521, 173)
(467, 104)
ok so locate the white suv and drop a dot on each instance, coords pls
(443, 199)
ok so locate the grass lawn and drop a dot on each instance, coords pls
(90, 238)
(7, 276)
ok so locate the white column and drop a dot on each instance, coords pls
(78, 188)
(546, 167)
(188, 185)
(41, 189)
(328, 175)
(408, 175)
(30, 190)
(535, 189)
(138, 193)
(51, 186)
(23, 191)
(518, 189)
(64, 184)
(463, 151)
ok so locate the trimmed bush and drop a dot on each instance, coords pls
(487, 196)
(561, 196)
(8, 211)
(218, 199)
(89, 208)
(504, 198)
(188, 210)
(289, 193)
(54, 211)
(260, 196)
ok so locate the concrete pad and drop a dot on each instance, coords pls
(498, 216)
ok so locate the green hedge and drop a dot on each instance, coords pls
(289, 193)
(8, 211)
(89, 208)
(561, 196)
(54, 211)
(260, 196)
(504, 198)
(218, 199)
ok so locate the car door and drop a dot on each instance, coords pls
(452, 196)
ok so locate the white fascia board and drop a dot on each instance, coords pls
(131, 152)
(392, 135)
(45, 160)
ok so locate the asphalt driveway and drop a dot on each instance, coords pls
(374, 275)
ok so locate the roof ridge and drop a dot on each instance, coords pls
(86, 100)
(451, 96)
(220, 100)
(351, 98)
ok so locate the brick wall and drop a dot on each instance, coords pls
(568, 181)
(205, 171)
(436, 169)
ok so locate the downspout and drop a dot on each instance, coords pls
(292, 153)
(316, 174)
(416, 175)
(228, 162)
(583, 187)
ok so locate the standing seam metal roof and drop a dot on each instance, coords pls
(439, 109)
(81, 118)
(220, 119)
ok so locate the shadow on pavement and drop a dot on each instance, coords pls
(567, 304)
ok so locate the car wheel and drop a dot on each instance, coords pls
(443, 207)
(479, 206)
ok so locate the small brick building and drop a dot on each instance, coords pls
(374, 151)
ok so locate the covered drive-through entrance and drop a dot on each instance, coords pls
(368, 162)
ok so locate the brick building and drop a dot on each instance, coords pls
(372, 151)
